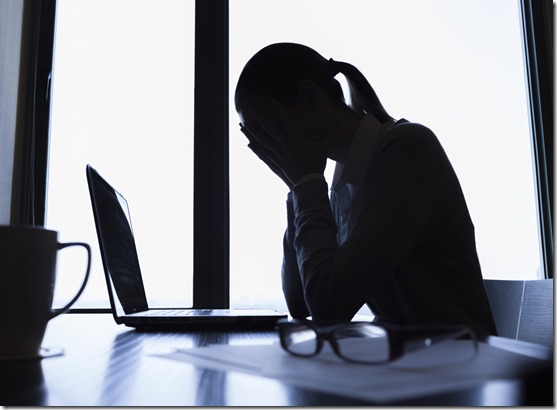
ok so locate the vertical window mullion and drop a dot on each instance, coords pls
(34, 116)
(537, 34)
(211, 183)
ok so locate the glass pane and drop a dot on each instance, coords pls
(455, 66)
(123, 101)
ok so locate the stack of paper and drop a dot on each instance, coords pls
(416, 374)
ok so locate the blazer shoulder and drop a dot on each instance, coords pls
(414, 130)
(408, 135)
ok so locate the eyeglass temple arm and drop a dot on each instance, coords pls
(429, 336)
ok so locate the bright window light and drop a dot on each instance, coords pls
(454, 66)
(123, 101)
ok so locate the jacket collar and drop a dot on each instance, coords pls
(360, 152)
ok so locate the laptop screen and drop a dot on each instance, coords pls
(117, 245)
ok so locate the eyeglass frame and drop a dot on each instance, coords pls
(397, 336)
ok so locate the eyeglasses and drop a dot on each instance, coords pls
(368, 343)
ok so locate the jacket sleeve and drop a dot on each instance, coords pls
(402, 189)
(291, 280)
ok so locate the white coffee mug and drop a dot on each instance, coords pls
(27, 279)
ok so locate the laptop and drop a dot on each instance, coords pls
(126, 292)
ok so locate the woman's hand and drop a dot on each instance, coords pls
(283, 147)
(264, 155)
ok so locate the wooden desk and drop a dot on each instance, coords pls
(109, 365)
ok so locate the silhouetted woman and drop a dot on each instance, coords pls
(395, 233)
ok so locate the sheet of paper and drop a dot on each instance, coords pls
(411, 376)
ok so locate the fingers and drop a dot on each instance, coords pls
(273, 127)
(265, 155)
(276, 140)
(261, 139)
(246, 132)
(277, 130)
(258, 148)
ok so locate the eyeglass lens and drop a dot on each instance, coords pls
(300, 340)
(363, 342)
(359, 342)
(367, 343)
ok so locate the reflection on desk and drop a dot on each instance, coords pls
(109, 365)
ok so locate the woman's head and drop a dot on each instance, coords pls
(277, 71)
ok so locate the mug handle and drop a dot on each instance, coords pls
(56, 312)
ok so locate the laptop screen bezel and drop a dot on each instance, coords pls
(94, 177)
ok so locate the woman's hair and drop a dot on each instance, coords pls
(276, 70)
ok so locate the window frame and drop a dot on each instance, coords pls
(537, 41)
(211, 228)
(31, 149)
(211, 129)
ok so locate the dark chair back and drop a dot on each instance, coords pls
(522, 309)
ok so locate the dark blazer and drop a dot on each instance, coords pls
(404, 244)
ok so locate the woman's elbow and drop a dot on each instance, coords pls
(327, 301)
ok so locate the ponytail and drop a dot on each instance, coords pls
(277, 69)
(363, 98)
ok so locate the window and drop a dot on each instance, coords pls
(444, 64)
(122, 100)
(123, 97)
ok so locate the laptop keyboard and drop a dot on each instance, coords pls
(201, 312)
(179, 312)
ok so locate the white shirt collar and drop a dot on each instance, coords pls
(360, 152)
